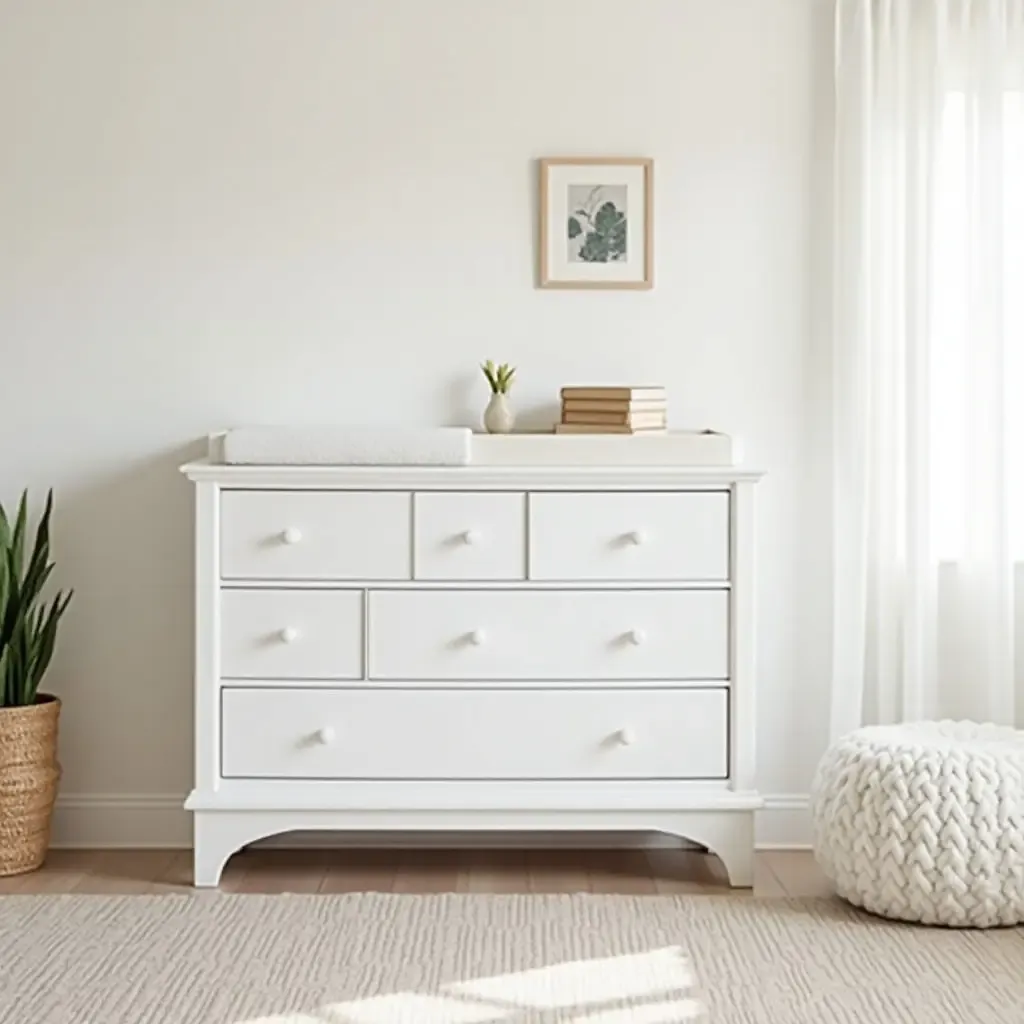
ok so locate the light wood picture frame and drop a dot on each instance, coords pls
(596, 222)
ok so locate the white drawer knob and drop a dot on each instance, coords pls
(289, 635)
(325, 735)
(471, 537)
(291, 535)
(637, 537)
(636, 637)
(477, 637)
(627, 737)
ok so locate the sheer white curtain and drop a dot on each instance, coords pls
(928, 349)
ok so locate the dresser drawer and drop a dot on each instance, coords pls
(291, 634)
(623, 536)
(507, 634)
(315, 535)
(470, 536)
(474, 734)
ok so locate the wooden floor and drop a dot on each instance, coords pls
(269, 870)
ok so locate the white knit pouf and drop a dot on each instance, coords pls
(925, 822)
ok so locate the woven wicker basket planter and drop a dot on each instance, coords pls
(29, 774)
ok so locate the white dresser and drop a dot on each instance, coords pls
(503, 649)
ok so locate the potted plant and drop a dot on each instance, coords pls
(29, 770)
(498, 416)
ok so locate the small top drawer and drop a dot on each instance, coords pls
(682, 536)
(315, 535)
(470, 536)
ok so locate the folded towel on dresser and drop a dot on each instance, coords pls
(346, 446)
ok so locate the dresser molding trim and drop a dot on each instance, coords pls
(350, 584)
(472, 478)
(472, 796)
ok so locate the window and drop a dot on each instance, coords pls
(952, 436)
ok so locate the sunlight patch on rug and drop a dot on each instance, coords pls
(595, 990)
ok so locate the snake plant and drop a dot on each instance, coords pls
(499, 377)
(28, 624)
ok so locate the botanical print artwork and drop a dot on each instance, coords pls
(596, 229)
(596, 222)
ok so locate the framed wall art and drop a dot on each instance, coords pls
(596, 222)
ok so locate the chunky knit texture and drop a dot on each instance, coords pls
(925, 822)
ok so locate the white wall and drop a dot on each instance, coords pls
(216, 212)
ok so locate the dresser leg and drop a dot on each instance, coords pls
(210, 852)
(735, 848)
(729, 834)
(739, 863)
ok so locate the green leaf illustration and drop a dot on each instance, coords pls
(594, 249)
(617, 241)
(575, 230)
(607, 242)
(607, 217)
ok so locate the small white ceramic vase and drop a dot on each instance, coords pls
(498, 416)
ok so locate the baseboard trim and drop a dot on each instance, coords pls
(145, 821)
(88, 821)
(785, 822)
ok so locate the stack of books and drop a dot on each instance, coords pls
(613, 410)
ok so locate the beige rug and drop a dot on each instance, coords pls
(378, 959)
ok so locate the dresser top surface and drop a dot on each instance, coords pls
(468, 477)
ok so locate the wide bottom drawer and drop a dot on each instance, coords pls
(452, 733)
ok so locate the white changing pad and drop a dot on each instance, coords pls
(346, 446)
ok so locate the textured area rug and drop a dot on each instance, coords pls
(381, 959)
